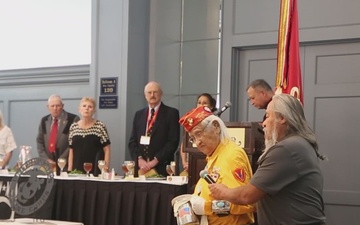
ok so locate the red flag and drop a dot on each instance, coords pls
(288, 74)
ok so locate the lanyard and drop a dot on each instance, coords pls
(151, 121)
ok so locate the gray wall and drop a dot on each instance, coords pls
(184, 47)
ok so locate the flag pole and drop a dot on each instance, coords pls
(288, 71)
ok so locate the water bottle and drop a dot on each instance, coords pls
(112, 174)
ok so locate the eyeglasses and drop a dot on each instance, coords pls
(198, 134)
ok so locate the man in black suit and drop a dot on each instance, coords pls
(155, 134)
(49, 149)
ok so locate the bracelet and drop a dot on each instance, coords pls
(221, 207)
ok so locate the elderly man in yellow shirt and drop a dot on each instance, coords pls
(227, 163)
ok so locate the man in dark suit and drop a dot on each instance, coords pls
(155, 134)
(57, 147)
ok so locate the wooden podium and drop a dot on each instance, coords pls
(249, 135)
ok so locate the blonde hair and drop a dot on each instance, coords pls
(88, 99)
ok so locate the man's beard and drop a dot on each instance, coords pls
(270, 142)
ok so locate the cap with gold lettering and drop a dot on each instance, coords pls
(194, 117)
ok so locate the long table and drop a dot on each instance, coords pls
(22, 221)
(99, 202)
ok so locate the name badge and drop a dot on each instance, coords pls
(145, 140)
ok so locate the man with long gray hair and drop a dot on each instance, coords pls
(288, 183)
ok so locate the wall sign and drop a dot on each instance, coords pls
(108, 98)
(108, 86)
(108, 102)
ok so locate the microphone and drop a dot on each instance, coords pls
(225, 107)
(204, 174)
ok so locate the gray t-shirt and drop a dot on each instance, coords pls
(290, 174)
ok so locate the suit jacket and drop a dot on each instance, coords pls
(62, 142)
(164, 138)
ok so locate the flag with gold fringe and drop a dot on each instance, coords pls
(288, 74)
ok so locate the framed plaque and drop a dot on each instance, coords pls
(237, 135)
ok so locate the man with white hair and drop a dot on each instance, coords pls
(155, 134)
(288, 183)
(227, 163)
(52, 139)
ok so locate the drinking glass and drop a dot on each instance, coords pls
(53, 167)
(25, 154)
(88, 167)
(169, 170)
(130, 166)
(61, 163)
(125, 169)
(172, 166)
(19, 164)
(101, 164)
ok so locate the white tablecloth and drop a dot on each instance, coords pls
(174, 180)
(21, 221)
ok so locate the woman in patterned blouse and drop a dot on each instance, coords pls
(88, 139)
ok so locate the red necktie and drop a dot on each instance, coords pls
(53, 134)
(150, 122)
